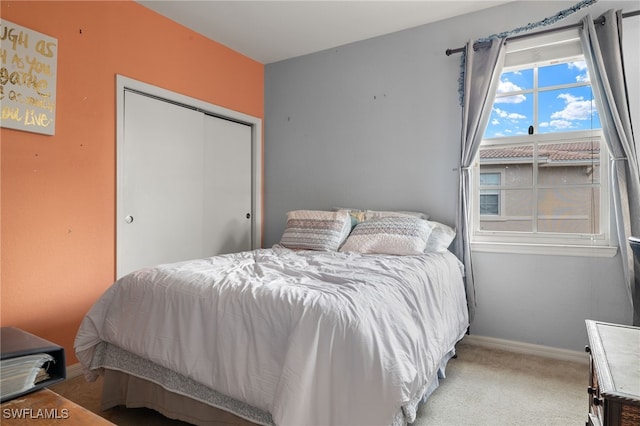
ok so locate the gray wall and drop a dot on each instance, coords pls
(376, 124)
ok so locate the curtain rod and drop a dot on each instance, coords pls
(477, 45)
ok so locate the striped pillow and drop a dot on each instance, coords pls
(390, 235)
(316, 229)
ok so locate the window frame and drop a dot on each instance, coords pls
(540, 51)
(488, 188)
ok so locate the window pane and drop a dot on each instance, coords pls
(490, 198)
(487, 178)
(512, 163)
(567, 109)
(570, 163)
(514, 81)
(518, 174)
(510, 116)
(512, 111)
(566, 73)
(516, 213)
(518, 204)
(490, 203)
(569, 210)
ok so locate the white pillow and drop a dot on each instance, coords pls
(440, 238)
(389, 235)
(316, 229)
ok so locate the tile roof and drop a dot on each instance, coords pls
(561, 152)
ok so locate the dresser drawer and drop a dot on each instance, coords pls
(629, 415)
(614, 374)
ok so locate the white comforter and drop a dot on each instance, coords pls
(314, 338)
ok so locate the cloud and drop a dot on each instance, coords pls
(558, 124)
(581, 78)
(561, 124)
(506, 86)
(513, 116)
(575, 108)
(580, 66)
(514, 99)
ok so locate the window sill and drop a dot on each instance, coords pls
(544, 249)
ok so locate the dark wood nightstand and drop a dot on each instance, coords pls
(614, 378)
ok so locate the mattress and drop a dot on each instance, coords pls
(133, 382)
(307, 337)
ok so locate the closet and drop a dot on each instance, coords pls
(185, 184)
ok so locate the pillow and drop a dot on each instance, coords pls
(440, 238)
(377, 214)
(358, 215)
(389, 235)
(316, 229)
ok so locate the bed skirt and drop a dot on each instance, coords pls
(122, 389)
(134, 382)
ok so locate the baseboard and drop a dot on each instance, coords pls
(74, 370)
(527, 348)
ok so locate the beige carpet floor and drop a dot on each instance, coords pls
(484, 387)
(488, 387)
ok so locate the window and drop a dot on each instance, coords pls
(489, 196)
(540, 173)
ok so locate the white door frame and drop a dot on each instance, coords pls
(123, 83)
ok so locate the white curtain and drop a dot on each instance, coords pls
(481, 77)
(602, 46)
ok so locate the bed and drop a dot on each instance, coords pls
(350, 320)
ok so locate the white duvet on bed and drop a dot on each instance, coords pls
(314, 338)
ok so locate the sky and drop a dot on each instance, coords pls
(560, 109)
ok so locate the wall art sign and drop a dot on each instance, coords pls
(27, 79)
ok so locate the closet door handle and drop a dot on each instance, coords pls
(129, 219)
(248, 216)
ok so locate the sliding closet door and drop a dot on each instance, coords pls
(227, 214)
(160, 184)
(184, 184)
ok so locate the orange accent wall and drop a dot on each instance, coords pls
(58, 192)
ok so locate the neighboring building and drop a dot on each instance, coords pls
(566, 200)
